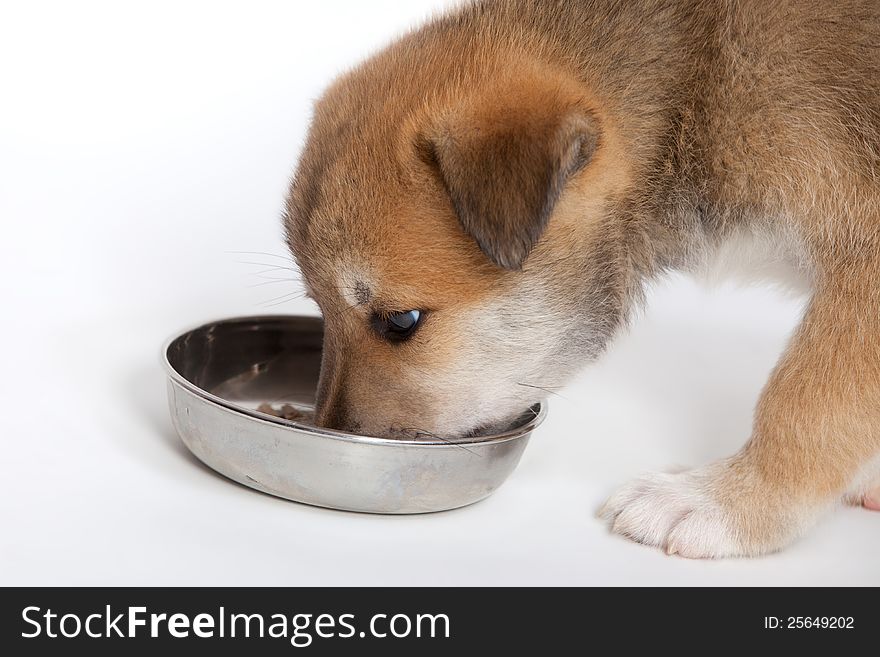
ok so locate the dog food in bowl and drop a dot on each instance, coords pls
(286, 412)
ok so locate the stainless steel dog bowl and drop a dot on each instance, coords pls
(219, 373)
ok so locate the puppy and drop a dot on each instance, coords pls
(478, 208)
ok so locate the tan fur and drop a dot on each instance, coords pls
(519, 169)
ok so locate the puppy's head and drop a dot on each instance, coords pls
(454, 233)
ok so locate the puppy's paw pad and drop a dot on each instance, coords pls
(675, 512)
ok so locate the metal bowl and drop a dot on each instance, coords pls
(219, 373)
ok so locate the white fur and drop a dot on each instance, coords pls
(867, 479)
(765, 254)
(503, 367)
(674, 511)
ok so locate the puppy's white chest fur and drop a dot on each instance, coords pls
(757, 255)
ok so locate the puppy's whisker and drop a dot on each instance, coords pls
(273, 281)
(281, 277)
(269, 267)
(441, 438)
(284, 298)
(278, 303)
(261, 253)
(276, 270)
(272, 267)
(549, 391)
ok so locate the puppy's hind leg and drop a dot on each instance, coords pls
(817, 427)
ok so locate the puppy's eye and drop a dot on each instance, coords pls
(397, 326)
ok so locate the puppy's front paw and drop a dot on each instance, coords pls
(677, 512)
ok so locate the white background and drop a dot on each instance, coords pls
(139, 145)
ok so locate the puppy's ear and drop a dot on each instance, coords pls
(504, 163)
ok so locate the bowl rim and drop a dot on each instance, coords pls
(176, 377)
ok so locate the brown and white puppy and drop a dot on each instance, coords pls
(478, 207)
